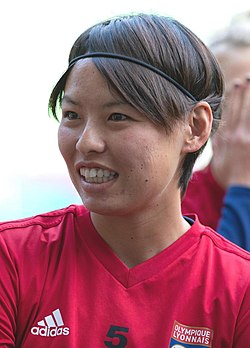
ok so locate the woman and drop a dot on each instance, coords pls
(139, 100)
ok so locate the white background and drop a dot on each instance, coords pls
(35, 41)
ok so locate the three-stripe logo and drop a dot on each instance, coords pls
(52, 325)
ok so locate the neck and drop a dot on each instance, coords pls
(135, 239)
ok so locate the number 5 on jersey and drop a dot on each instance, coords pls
(116, 333)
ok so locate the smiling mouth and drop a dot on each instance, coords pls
(97, 175)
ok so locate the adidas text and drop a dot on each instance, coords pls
(50, 331)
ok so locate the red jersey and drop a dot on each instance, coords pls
(62, 286)
(204, 197)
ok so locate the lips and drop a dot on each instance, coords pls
(97, 175)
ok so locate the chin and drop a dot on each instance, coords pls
(101, 208)
(106, 209)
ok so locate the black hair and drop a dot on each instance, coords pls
(170, 47)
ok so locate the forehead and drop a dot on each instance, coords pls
(87, 87)
(85, 80)
(83, 73)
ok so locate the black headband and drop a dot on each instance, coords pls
(136, 61)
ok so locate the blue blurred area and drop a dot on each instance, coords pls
(27, 196)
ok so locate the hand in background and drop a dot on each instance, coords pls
(231, 144)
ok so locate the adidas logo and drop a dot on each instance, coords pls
(52, 326)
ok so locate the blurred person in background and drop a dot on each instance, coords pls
(220, 193)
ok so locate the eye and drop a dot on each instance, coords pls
(70, 115)
(116, 117)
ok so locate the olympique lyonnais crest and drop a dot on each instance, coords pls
(190, 336)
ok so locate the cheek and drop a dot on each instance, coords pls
(66, 142)
(158, 161)
(146, 158)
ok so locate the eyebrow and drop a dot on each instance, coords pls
(68, 99)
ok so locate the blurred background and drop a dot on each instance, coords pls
(35, 41)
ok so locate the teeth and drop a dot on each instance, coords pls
(100, 173)
(97, 175)
(92, 173)
(85, 173)
(106, 173)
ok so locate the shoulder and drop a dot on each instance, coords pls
(34, 227)
(221, 263)
(214, 244)
(231, 257)
(45, 219)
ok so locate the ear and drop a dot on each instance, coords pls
(198, 127)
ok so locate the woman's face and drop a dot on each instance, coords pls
(118, 160)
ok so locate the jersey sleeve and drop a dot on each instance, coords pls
(235, 219)
(8, 296)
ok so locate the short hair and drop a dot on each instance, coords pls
(166, 44)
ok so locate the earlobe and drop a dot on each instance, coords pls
(198, 127)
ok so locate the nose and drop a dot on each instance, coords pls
(90, 140)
